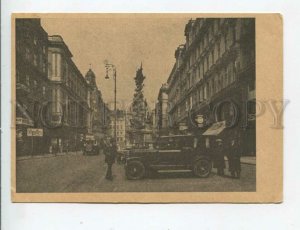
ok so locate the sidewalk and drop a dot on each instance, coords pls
(251, 160)
(248, 160)
(46, 155)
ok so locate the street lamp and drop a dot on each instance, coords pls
(112, 67)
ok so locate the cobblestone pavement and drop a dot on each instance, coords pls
(78, 173)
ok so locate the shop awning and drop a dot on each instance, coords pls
(215, 129)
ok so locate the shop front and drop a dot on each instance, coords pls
(226, 116)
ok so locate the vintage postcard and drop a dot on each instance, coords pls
(147, 108)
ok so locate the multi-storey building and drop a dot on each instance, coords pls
(161, 109)
(31, 85)
(213, 79)
(70, 98)
(99, 112)
(121, 128)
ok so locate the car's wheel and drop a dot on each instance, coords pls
(202, 168)
(135, 170)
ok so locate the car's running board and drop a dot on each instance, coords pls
(174, 170)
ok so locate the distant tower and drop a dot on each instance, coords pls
(90, 77)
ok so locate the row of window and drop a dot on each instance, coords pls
(212, 29)
(36, 58)
(120, 139)
(31, 83)
(32, 39)
(216, 83)
(200, 67)
(58, 70)
(74, 113)
(119, 127)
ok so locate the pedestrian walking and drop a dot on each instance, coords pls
(234, 159)
(110, 154)
(219, 162)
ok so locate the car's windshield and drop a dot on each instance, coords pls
(176, 142)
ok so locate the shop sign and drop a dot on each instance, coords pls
(183, 126)
(34, 132)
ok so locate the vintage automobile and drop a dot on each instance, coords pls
(90, 146)
(176, 152)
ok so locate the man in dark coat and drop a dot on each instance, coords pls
(234, 159)
(109, 150)
(219, 162)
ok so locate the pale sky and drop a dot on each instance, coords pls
(125, 42)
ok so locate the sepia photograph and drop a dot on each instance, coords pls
(134, 104)
(149, 114)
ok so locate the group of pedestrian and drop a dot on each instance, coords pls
(233, 155)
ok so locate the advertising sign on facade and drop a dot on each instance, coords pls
(34, 132)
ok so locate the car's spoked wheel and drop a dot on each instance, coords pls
(135, 170)
(202, 168)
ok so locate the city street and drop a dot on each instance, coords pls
(74, 172)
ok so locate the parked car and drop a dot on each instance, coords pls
(176, 152)
(121, 155)
(90, 146)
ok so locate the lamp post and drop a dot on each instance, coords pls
(112, 67)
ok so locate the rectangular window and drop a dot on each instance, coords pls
(216, 25)
(201, 94)
(207, 38)
(201, 46)
(44, 67)
(226, 41)
(186, 105)
(207, 62)
(27, 80)
(35, 59)
(212, 87)
(205, 92)
(27, 54)
(41, 62)
(225, 79)
(34, 40)
(220, 82)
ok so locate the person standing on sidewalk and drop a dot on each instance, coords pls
(219, 161)
(234, 159)
(110, 153)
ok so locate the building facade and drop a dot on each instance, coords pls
(121, 128)
(99, 111)
(213, 79)
(31, 85)
(69, 110)
(161, 110)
